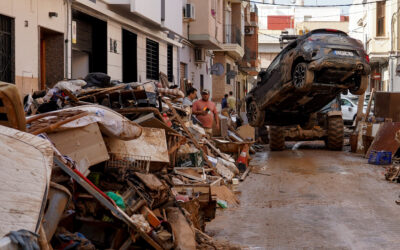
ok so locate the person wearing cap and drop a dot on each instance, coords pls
(205, 111)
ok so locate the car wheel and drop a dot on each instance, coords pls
(302, 77)
(334, 140)
(255, 116)
(276, 138)
(361, 86)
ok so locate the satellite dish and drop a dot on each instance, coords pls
(217, 69)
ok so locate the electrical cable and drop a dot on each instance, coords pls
(328, 5)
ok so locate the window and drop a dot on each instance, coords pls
(152, 64)
(228, 69)
(344, 102)
(275, 63)
(380, 18)
(170, 63)
(6, 49)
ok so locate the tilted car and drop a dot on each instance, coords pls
(305, 76)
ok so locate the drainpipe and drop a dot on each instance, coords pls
(178, 73)
(393, 54)
(67, 38)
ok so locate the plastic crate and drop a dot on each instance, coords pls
(380, 158)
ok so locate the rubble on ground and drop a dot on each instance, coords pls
(130, 168)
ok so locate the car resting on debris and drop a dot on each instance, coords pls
(304, 77)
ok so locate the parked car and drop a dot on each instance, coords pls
(305, 76)
(349, 109)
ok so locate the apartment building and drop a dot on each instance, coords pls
(232, 51)
(251, 62)
(48, 40)
(32, 37)
(132, 41)
(376, 24)
(202, 33)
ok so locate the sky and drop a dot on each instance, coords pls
(345, 10)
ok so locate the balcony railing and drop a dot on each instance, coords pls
(233, 34)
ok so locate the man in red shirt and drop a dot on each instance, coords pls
(205, 112)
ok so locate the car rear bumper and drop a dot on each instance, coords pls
(340, 64)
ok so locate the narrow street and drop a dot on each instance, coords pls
(312, 198)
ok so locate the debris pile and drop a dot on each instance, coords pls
(130, 167)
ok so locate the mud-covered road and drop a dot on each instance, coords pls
(312, 198)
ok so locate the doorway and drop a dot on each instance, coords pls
(129, 56)
(51, 57)
(89, 52)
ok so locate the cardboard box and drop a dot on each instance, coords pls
(246, 132)
(152, 143)
(84, 145)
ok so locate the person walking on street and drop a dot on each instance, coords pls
(206, 111)
(224, 102)
(191, 95)
(231, 101)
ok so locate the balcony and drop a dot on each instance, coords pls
(250, 62)
(233, 40)
(156, 13)
(206, 29)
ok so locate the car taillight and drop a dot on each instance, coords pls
(367, 58)
(332, 30)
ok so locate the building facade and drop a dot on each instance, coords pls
(32, 42)
(376, 24)
(232, 51)
(49, 40)
(202, 33)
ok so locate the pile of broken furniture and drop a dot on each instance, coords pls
(128, 166)
(378, 137)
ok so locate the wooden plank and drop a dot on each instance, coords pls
(194, 141)
(244, 175)
(365, 117)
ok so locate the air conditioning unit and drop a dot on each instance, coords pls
(199, 55)
(189, 12)
(249, 30)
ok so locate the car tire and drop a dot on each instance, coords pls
(335, 138)
(276, 138)
(361, 86)
(302, 77)
(255, 116)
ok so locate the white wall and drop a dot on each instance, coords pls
(114, 60)
(356, 14)
(173, 15)
(324, 14)
(194, 71)
(150, 9)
